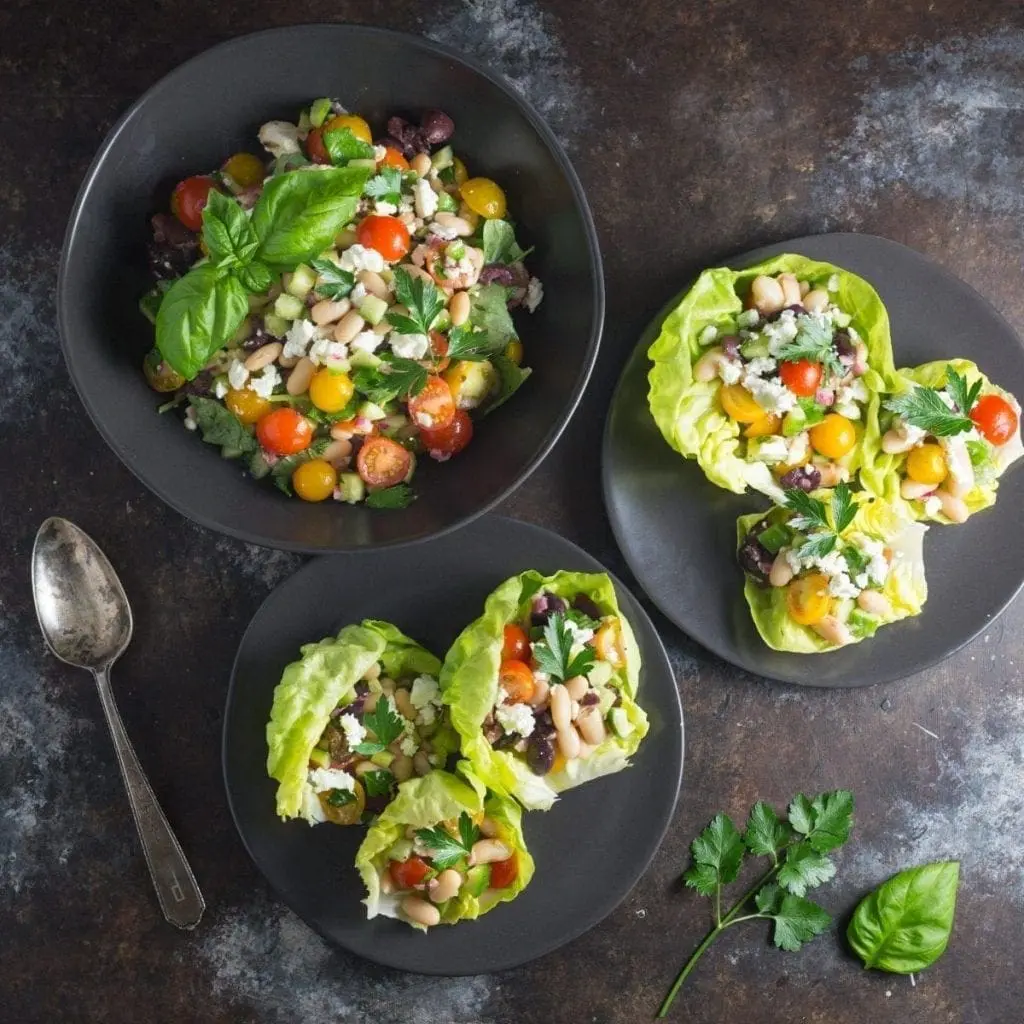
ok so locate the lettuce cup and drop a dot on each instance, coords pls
(444, 850)
(357, 715)
(950, 434)
(826, 570)
(771, 377)
(542, 687)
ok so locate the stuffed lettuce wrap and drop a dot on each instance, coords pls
(949, 434)
(542, 687)
(771, 377)
(826, 569)
(355, 716)
(444, 850)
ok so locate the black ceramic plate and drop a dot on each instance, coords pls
(212, 106)
(607, 829)
(678, 531)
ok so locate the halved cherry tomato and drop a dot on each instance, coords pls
(284, 432)
(244, 169)
(608, 643)
(189, 198)
(833, 437)
(484, 197)
(768, 424)
(739, 404)
(354, 123)
(407, 873)
(434, 407)
(517, 644)
(504, 872)
(926, 464)
(382, 462)
(388, 235)
(439, 351)
(807, 599)
(393, 158)
(315, 148)
(801, 377)
(995, 418)
(516, 679)
(444, 442)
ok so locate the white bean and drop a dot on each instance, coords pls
(875, 603)
(373, 283)
(568, 742)
(387, 684)
(420, 163)
(404, 703)
(488, 827)
(561, 707)
(591, 725)
(574, 710)
(263, 356)
(831, 474)
(337, 452)
(782, 571)
(420, 911)
(766, 294)
(488, 851)
(705, 369)
(299, 379)
(445, 886)
(370, 704)
(815, 301)
(348, 327)
(326, 311)
(913, 490)
(401, 767)
(895, 441)
(421, 763)
(387, 883)
(373, 672)
(541, 691)
(833, 631)
(454, 223)
(953, 508)
(458, 308)
(790, 288)
(804, 288)
(577, 687)
(340, 433)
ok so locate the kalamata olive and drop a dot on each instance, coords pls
(544, 606)
(174, 248)
(491, 730)
(590, 697)
(356, 707)
(506, 741)
(796, 308)
(584, 604)
(160, 374)
(436, 126)
(543, 724)
(805, 478)
(843, 344)
(731, 346)
(755, 559)
(409, 137)
(540, 754)
(200, 386)
(497, 273)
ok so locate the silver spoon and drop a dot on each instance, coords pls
(86, 621)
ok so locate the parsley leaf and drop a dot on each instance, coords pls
(843, 508)
(813, 341)
(804, 869)
(446, 849)
(377, 783)
(826, 820)
(399, 496)
(282, 470)
(342, 146)
(489, 313)
(469, 343)
(422, 298)
(765, 835)
(810, 512)
(717, 854)
(394, 378)
(385, 723)
(386, 186)
(811, 515)
(332, 281)
(965, 396)
(511, 378)
(554, 656)
(796, 920)
(340, 797)
(923, 408)
(817, 545)
(499, 242)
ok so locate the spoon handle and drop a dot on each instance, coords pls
(176, 886)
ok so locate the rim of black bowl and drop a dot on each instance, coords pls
(539, 125)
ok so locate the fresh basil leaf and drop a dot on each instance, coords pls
(219, 426)
(342, 146)
(229, 237)
(199, 315)
(399, 496)
(905, 924)
(499, 242)
(332, 281)
(511, 378)
(299, 214)
(256, 276)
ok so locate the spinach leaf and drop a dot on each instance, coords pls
(488, 312)
(199, 314)
(342, 146)
(229, 237)
(499, 242)
(905, 924)
(511, 378)
(221, 427)
(300, 213)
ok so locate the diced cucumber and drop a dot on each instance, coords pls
(600, 673)
(471, 382)
(442, 321)
(372, 309)
(756, 348)
(352, 488)
(288, 307)
(359, 358)
(774, 538)
(841, 319)
(301, 281)
(447, 203)
(258, 466)
(258, 301)
(369, 163)
(395, 421)
(383, 758)
(477, 880)
(455, 249)
(862, 624)
(794, 422)
(620, 722)
(318, 111)
(443, 158)
(402, 850)
(372, 411)
(304, 123)
(276, 325)
(320, 757)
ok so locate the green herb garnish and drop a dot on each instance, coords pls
(399, 496)
(332, 281)
(446, 849)
(554, 655)
(924, 408)
(963, 394)
(340, 797)
(377, 783)
(422, 298)
(219, 426)
(342, 146)
(813, 341)
(385, 723)
(811, 517)
(386, 186)
(394, 378)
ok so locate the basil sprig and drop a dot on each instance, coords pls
(296, 218)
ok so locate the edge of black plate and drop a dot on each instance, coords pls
(748, 259)
(543, 948)
(538, 124)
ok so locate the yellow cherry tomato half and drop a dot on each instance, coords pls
(247, 405)
(927, 464)
(244, 169)
(769, 423)
(354, 123)
(314, 480)
(834, 436)
(739, 404)
(330, 391)
(484, 196)
(807, 599)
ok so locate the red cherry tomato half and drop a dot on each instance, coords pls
(995, 418)
(439, 352)
(434, 407)
(388, 235)
(504, 872)
(284, 432)
(189, 198)
(315, 148)
(407, 873)
(444, 442)
(516, 679)
(801, 377)
(382, 462)
(517, 644)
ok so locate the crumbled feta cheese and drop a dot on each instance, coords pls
(580, 636)
(878, 565)
(842, 586)
(773, 450)
(408, 745)
(516, 718)
(406, 205)
(833, 283)
(730, 370)
(357, 257)
(220, 388)
(312, 810)
(379, 152)
(748, 318)
(847, 409)
(426, 715)
(265, 383)
(908, 433)
(190, 420)
(353, 729)
(279, 137)
(708, 335)
(932, 505)
(771, 395)
(297, 340)
(357, 294)
(799, 449)
(424, 691)
(796, 563)
(410, 346)
(832, 564)
(857, 391)
(442, 231)
(534, 290)
(366, 341)
(324, 351)
(322, 779)
(862, 581)
(237, 375)
(761, 367)
(540, 677)
(384, 208)
(425, 198)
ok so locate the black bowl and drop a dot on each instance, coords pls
(212, 106)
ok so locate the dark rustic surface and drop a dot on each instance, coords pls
(699, 129)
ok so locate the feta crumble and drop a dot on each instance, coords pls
(842, 586)
(748, 318)
(323, 351)
(353, 729)
(298, 338)
(708, 335)
(730, 370)
(410, 346)
(265, 383)
(322, 779)
(773, 450)
(516, 718)
(237, 375)
(426, 715)
(424, 198)
(761, 367)
(771, 395)
(357, 257)
(220, 388)
(408, 745)
(384, 208)
(366, 341)
(424, 691)
(932, 505)
(279, 137)
(357, 294)
(534, 292)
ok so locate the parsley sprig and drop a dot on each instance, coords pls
(332, 282)
(394, 378)
(386, 186)
(399, 496)
(446, 849)
(796, 849)
(385, 723)
(423, 300)
(813, 341)
(554, 656)
(811, 517)
(924, 408)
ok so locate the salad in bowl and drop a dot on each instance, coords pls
(340, 306)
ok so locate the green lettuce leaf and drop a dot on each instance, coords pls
(469, 685)
(905, 586)
(983, 494)
(424, 803)
(688, 413)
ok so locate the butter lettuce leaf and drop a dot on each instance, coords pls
(688, 412)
